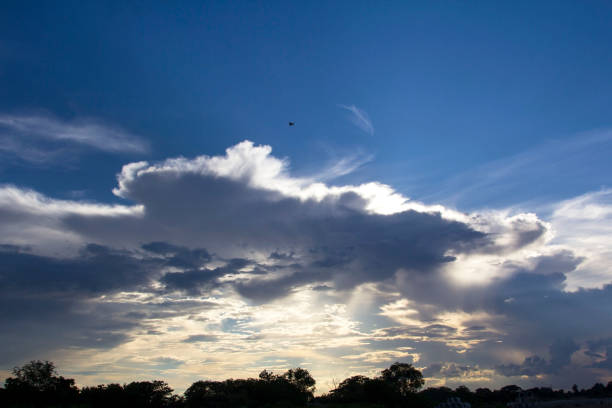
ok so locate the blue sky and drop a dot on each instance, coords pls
(447, 86)
(493, 115)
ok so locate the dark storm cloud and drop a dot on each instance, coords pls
(520, 288)
(529, 309)
(560, 354)
(263, 290)
(98, 269)
(193, 282)
(280, 256)
(264, 242)
(46, 302)
(179, 256)
(332, 239)
(448, 370)
(601, 350)
(199, 281)
(34, 325)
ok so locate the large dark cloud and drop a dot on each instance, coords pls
(179, 256)
(48, 303)
(98, 269)
(560, 354)
(263, 242)
(332, 239)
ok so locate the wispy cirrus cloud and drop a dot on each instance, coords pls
(345, 165)
(519, 173)
(39, 139)
(360, 118)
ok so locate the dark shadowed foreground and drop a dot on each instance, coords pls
(37, 384)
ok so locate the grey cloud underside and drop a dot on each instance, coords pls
(560, 352)
(601, 349)
(97, 270)
(58, 297)
(448, 370)
(541, 317)
(197, 338)
(334, 239)
(202, 233)
(62, 309)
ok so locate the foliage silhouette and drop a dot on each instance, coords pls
(404, 377)
(397, 385)
(293, 388)
(36, 384)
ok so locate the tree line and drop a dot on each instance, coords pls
(36, 384)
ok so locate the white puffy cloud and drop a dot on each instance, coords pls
(31, 219)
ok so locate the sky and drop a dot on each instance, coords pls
(444, 198)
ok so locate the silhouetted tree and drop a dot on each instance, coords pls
(351, 389)
(484, 395)
(404, 376)
(37, 383)
(301, 379)
(205, 394)
(508, 393)
(294, 387)
(436, 395)
(153, 394)
(464, 393)
(266, 375)
(110, 395)
(396, 386)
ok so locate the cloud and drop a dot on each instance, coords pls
(231, 260)
(179, 256)
(360, 118)
(453, 370)
(65, 297)
(542, 171)
(584, 224)
(11, 148)
(31, 219)
(97, 270)
(40, 139)
(560, 352)
(197, 338)
(344, 166)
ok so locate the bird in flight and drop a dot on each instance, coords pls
(291, 123)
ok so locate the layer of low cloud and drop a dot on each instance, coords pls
(231, 260)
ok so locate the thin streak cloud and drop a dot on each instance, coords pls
(345, 165)
(360, 118)
(506, 176)
(87, 133)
